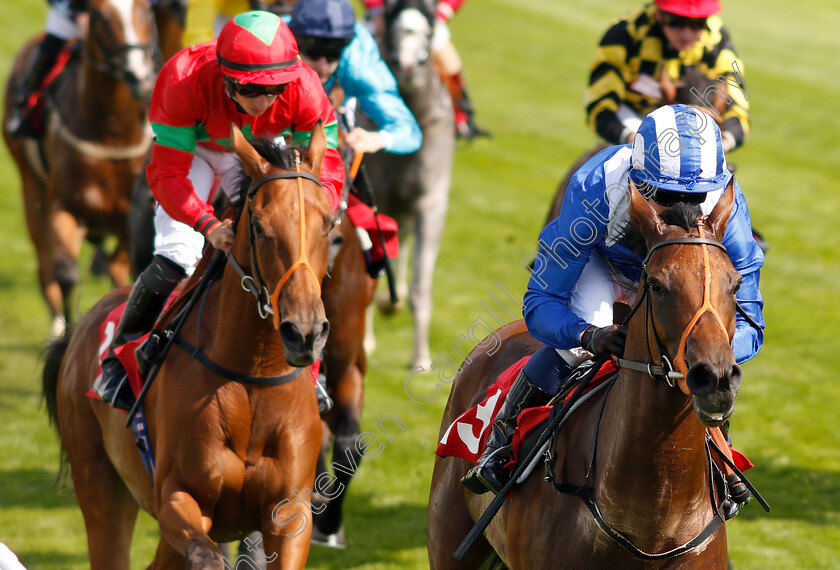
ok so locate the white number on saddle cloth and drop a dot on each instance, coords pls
(107, 337)
(465, 426)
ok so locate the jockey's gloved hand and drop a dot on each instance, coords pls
(221, 235)
(604, 340)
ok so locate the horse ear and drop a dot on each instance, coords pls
(644, 216)
(317, 148)
(669, 90)
(719, 218)
(255, 166)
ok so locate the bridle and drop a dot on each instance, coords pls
(674, 374)
(112, 62)
(268, 304)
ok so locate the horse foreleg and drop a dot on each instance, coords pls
(430, 214)
(287, 528)
(69, 238)
(185, 528)
(345, 424)
(119, 265)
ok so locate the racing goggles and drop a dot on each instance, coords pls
(676, 21)
(315, 48)
(252, 90)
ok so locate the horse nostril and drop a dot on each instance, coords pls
(325, 329)
(290, 333)
(702, 380)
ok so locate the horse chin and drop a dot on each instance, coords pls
(301, 359)
(713, 414)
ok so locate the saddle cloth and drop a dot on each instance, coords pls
(362, 217)
(466, 438)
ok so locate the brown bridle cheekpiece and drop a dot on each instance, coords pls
(269, 304)
(661, 367)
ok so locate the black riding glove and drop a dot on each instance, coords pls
(604, 340)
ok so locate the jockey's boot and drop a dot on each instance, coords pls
(146, 301)
(489, 473)
(42, 61)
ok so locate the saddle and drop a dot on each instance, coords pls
(35, 108)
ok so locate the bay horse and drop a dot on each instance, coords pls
(234, 453)
(649, 474)
(414, 188)
(77, 178)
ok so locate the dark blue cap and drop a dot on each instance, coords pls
(323, 19)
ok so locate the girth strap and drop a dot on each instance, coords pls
(220, 370)
(586, 496)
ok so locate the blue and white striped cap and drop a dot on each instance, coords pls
(678, 148)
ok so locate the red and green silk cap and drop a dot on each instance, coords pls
(257, 47)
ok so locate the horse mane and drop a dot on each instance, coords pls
(691, 82)
(281, 156)
(682, 214)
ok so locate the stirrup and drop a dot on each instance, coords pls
(477, 480)
(325, 403)
(112, 385)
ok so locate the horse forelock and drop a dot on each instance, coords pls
(280, 156)
(683, 215)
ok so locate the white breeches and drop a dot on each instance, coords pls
(598, 287)
(61, 24)
(177, 241)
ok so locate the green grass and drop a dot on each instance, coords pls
(527, 66)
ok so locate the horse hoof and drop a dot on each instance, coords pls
(386, 307)
(330, 540)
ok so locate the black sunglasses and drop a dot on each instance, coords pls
(250, 91)
(676, 21)
(314, 48)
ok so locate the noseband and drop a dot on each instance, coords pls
(111, 64)
(269, 304)
(661, 367)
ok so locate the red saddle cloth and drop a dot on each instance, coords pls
(466, 438)
(125, 353)
(362, 217)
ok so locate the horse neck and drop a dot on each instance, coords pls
(650, 436)
(241, 339)
(429, 101)
(105, 107)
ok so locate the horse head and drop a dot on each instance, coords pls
(695, 89)
(284, 234)
(122, 43)
(690, 296)
(407, 43)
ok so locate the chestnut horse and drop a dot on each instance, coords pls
(649, 474)
(414, 188)
(232, 455)
(77, 178)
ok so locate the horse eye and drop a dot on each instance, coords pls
(258, 231)
(736, 287)
(655, 287)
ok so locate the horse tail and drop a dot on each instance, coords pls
(53, 356)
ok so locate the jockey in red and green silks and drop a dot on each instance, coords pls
(252, 77)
